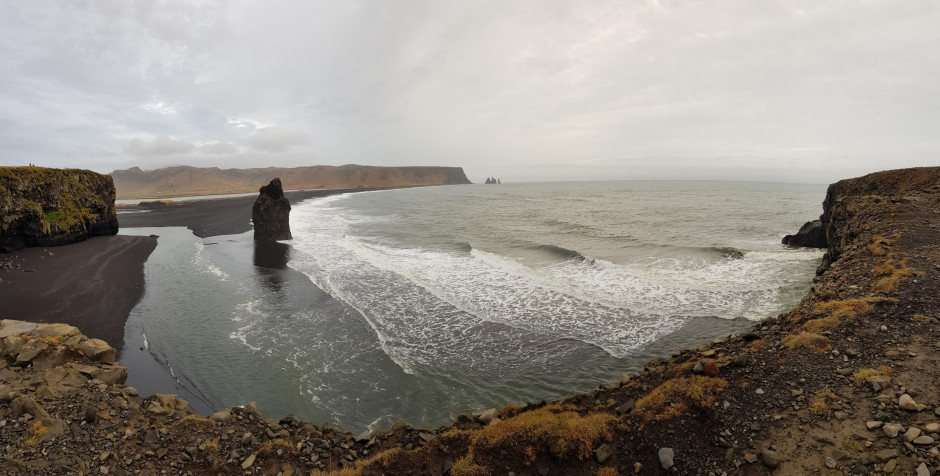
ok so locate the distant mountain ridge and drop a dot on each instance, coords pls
(189, 181)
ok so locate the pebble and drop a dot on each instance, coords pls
(890, 466)
(750, 457)
(770, 458)
(922, 470)
(872, 425)
(602, 453)
(932, 428)
(888, 454)
(759, 391)
(923, 440)
(912, 432)
(892, 429)
(666, 458)
(248, 461)
(908, 403)
(830, 463)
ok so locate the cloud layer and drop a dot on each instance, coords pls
(804, 91)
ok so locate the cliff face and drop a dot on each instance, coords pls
(271, 213)
(51, 207)
(183, 181)
(853, 205)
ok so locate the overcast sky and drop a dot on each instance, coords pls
(524, 90)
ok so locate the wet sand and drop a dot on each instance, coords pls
(92, 285)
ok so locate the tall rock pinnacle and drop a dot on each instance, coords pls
(271, 213)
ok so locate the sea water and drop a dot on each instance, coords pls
(425, 303)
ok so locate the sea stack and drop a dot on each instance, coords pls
(271, 213)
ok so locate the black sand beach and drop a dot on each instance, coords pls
(92, 285)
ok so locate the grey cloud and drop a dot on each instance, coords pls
(159, 146)
(527, 90)
(273, 139)
(218, 148)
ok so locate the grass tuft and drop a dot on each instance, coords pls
(550, 429)
(808, 340)
(679, 395)
(36, 431)
(819, 405)
(865, 375)
(466, 467)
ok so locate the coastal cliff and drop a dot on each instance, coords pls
(845, 383)
(186, 181)
(51, 207)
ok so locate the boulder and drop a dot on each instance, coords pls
(270, 213)
(811, 235)
(485, 416)
(163, 404)
(98, 350)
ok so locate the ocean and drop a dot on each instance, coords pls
(426, 303)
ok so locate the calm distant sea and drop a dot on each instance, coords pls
(426, 303)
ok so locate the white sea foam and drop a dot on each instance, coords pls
(205, 264)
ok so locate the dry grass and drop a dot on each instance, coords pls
(881, 246)
(893, 273)
(194, 424)
(865, 375)
(808, 340)
(757, 345)
(920, 318)
(837, 311)
(680, 370)
(847, 308)
(606, 471)
(509, 411)
(550, 429)
(679, 395)
(819, 405)
(382, 459)
(36, 431)
(466, 467)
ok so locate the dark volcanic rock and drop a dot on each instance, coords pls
(811, 235)
(271, 212)
(52, 207)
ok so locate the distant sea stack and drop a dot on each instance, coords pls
(51, 207)
(186, 181)
(271, 213)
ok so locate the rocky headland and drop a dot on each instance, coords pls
(51, 207)
(189, 181)
(845, 383)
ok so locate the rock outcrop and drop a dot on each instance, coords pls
(811, 235)
(51, 207)
(271, 213)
